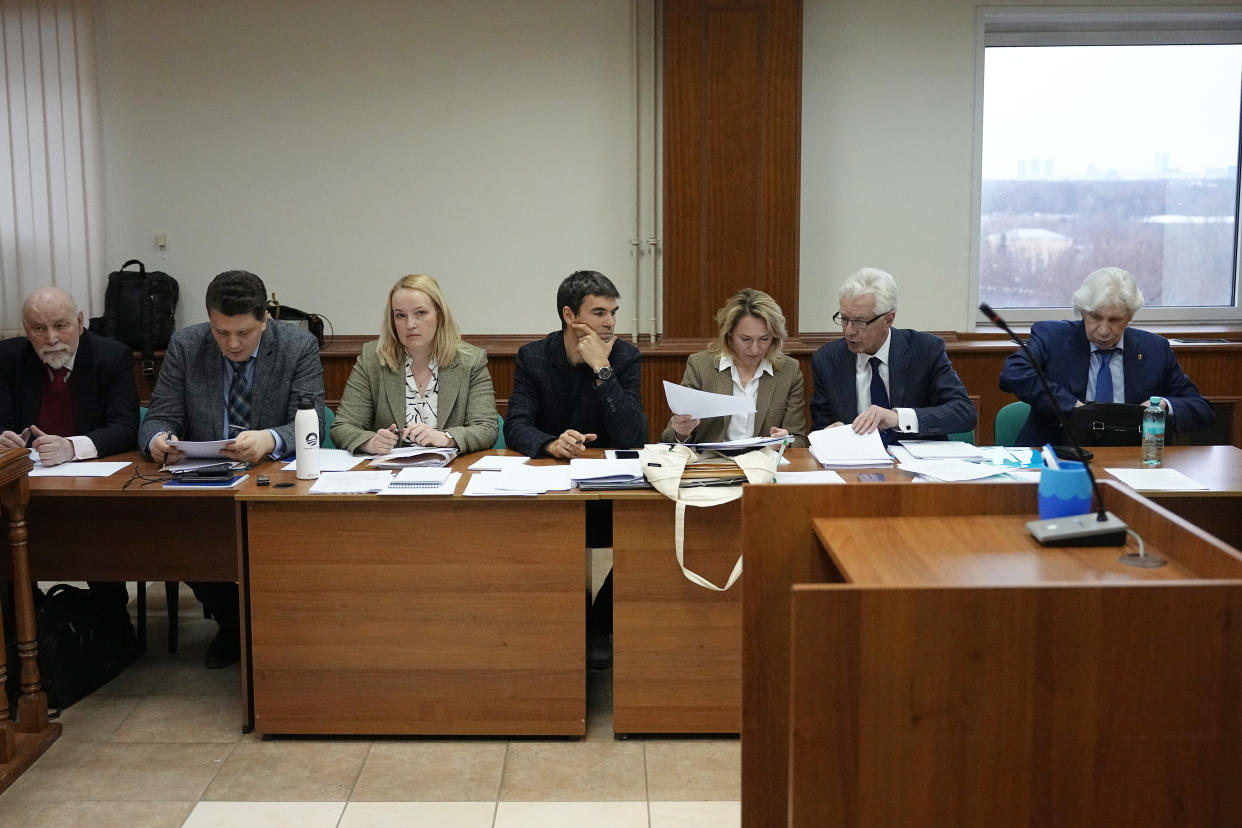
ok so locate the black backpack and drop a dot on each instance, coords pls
(138, 310)
(82, 646)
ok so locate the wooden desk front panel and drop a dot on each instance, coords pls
(417, 616)
(677, 646)
(978, 707)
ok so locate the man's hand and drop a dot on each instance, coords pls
(13, 440)
(162, 452)
(52, 450)
(593, 350)
(569, 445)
(421, 434)
(250, 446)
(874, 418)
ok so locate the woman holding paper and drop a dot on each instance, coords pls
(418, 382)
(746, 361)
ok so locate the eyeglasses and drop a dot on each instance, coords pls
(860, 324)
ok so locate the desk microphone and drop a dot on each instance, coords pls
(1092, 529)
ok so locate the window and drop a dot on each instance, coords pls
(1115, 147)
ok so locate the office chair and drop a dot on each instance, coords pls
(1009, 421)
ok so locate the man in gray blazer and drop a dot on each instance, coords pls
(880, 377)
(238, 376)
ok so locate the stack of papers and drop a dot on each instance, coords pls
(423, 482)
(942, 450)
(840, 446)
(735, 446)
(496, 462)
(415, 456)
(351, 482)
(330, 460)
(519, 480)
(591, 475)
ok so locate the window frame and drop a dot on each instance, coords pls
(1096, 26)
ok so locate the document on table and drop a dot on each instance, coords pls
(804, 478)
(736, 446)
(951, 471)
(840, 446)
(942, 450)
(1157, 480)
(351, 482)
(447, 487)
(483, 484)
(81, 468)
(496, 462)
(582, 468)
(200, 448)
(330, 460)
(519, 480)
(702, 404)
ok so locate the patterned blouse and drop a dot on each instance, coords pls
(421, 408)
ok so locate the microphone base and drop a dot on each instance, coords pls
(1079, 530)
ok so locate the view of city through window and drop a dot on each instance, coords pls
(1110, 155)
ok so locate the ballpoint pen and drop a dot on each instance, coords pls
(779, 455)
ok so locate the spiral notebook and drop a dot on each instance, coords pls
(420, 478)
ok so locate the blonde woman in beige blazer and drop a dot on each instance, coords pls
(746, 360)
(418, 382)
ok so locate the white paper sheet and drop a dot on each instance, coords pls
(483, 484)
(942, 450)
(534, 479)
(840, 446)
(351, 482)
(804, 478)
(1157, 480)
(695, 403)
(496, 462)
(81, 468)
(330, 460)
(581, 468)
(951, 471)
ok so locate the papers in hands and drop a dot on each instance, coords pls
(200, 448)
(703, 404)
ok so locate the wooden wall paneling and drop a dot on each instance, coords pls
(732, 117)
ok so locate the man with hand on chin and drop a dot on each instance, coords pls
(238, 376)
(579, 387)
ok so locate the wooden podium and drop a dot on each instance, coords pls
(23, 741)
(912, 656)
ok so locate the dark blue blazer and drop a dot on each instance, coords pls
(550, 395)
(919, 377)
(1062, 348)
(105, 402)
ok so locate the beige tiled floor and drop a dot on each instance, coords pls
(160, 746)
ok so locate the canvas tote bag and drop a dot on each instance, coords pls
(665, 467)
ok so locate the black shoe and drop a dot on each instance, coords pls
(224, 649)
(599, 652)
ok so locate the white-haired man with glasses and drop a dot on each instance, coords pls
(876, 376)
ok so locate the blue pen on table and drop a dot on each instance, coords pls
(1050, 457)
(779, 455)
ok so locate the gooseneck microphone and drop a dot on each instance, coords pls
(1101, 529)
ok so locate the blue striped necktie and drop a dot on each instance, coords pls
(239, 398)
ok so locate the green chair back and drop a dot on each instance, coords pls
(500, 435)
(328, 416)
(1009, 421)
(963, 436)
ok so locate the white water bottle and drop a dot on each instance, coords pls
(1153, 433)
(306, 435)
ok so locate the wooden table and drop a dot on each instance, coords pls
(911, 655)
(23, 741)
(415, 615)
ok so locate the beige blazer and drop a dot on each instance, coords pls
(780, 403)
(374, 398)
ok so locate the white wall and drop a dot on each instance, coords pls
(332, 147)
(888, 100)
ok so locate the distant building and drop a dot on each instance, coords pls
(1035, 244)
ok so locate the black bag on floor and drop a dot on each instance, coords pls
(82, 645)
(139, 310)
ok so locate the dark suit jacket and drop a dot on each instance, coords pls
(550, 395)
(188, 399)
(919, 377)
(1064, 351)
(781, 402)
(105, 403)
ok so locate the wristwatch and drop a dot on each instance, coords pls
(604, 374)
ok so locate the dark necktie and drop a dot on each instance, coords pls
(60, 376)
(1104, 379)
(239, 398)
(879, 394)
